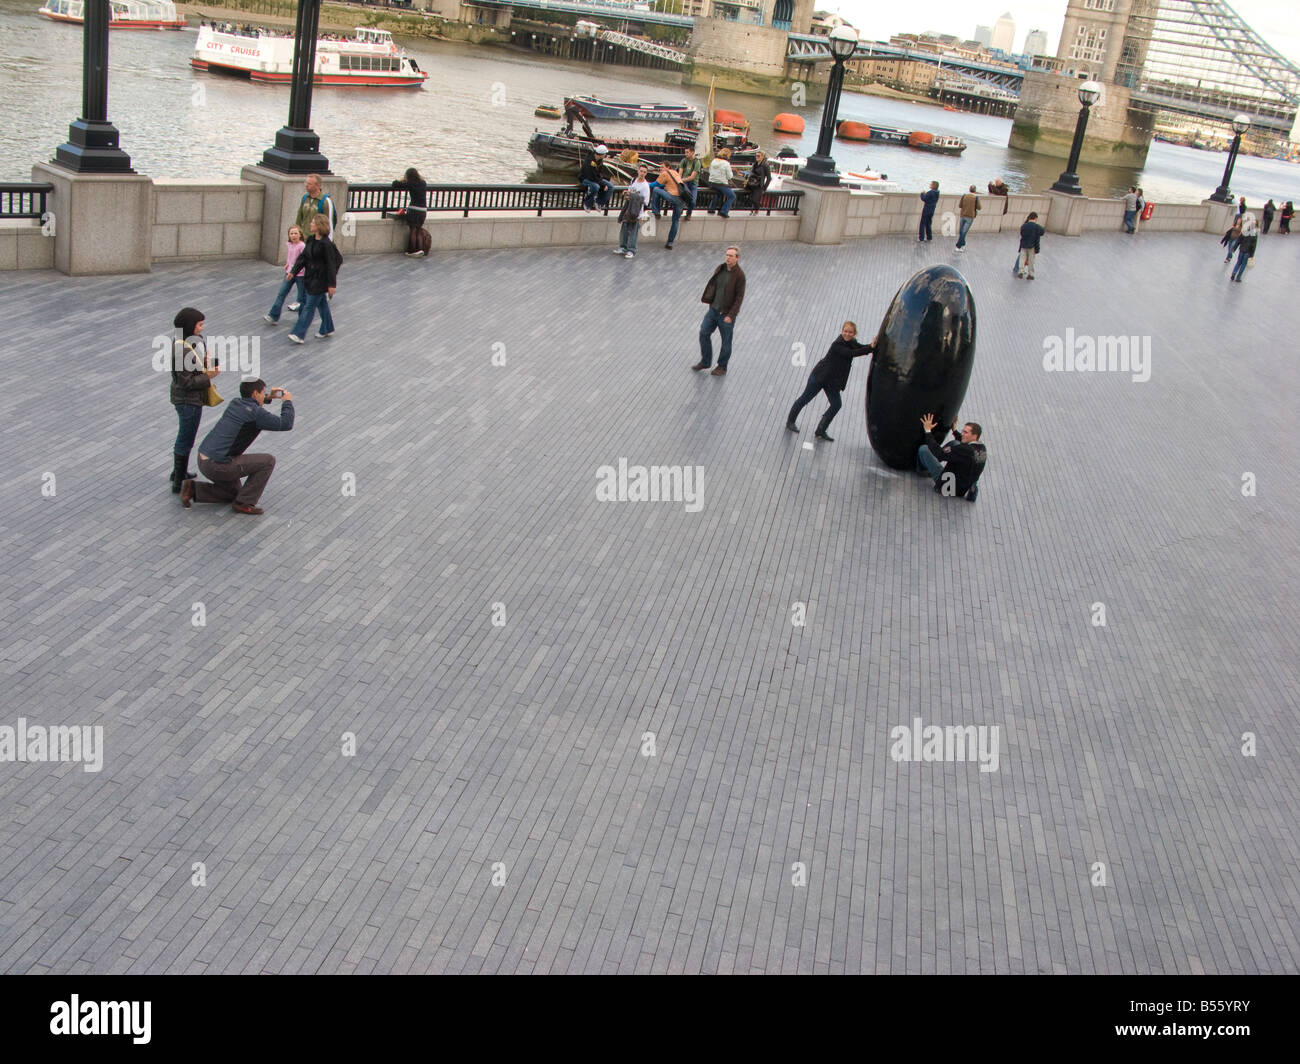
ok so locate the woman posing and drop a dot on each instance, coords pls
(191, 375)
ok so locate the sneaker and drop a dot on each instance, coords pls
(295, 306)
(270, 320)
(414, 254)
(669, 246)
(629, 254)
(620, 251)
(325, 336)
(586, 208)
(295, 338)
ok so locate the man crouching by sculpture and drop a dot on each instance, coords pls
(954, 466)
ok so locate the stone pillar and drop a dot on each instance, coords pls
(284, 193)
(1218, 216)
(103, 223)
(742, 57)
(1065, 214)
(1049, 108)
(823, 212)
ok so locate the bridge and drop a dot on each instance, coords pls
(811, 48)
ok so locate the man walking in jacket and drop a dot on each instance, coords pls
(221, 454)
(929, 200)
(724, 293)
(969, 206)
(1031, 235)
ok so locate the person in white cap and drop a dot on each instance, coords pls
(593, 179)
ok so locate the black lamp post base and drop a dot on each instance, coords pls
(1069, 184)
(296, 151)
(819, 170)
(92, 149)
(1221, 195)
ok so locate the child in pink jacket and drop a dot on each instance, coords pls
(294, 245)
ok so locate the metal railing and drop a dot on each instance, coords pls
(22, 199)
(385, 200)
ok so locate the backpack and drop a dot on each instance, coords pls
(632, 209)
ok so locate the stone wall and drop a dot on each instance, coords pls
(200, 219)
(24, 245)
(742, 58)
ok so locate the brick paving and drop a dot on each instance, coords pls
(516, 750)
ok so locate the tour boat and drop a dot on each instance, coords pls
(632, 112)
(122, 14)
(847, 129)
(368, 59)
(785, 167)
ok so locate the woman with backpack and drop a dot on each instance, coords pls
(320, 261)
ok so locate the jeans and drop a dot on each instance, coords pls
(1129, 218)
(923, 231)
(189, 417)
(926, 462)
(728, 195)
(284, 291)
(815, 386)
(1026, 263)
(691, 191)
(713, 320)
(1239, 267)
(226, 479)
(604, 188)
(627, 235)
(677, 205)
(309, 307)
(966, 223)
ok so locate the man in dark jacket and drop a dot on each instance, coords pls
(1031, 235)
(929, 200)
(830, 375)
(221, 454)
(954, 466)
(724, 293)
(592, 178)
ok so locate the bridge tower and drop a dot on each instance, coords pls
(742, 44)
(1100, 42)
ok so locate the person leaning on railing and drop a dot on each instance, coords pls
(415, 212)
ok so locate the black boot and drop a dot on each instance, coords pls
(180, 465)
(822, 426)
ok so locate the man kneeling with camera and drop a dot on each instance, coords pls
(221, 454)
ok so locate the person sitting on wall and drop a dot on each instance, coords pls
(954, 466)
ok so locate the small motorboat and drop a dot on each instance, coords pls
(545, 110)
(785, 167)
(913, 138)
(632, 112)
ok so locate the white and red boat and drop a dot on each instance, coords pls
(370, 58)
(122, 14)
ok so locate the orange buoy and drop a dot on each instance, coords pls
(787, 123)
(919, 138)
(729, 118)
(853, 131)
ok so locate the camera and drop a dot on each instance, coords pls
(273, 393)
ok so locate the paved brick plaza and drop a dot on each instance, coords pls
(521, 744)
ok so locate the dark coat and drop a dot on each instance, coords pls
(737, 290)
(930, 197)
(317, 264)
(760, 176)
(189, 387)
(1030, 235)
(833, 370)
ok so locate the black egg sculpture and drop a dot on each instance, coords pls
(924, 353)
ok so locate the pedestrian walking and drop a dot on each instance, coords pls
(724, 293)
(1231, 237)
(293, 248)
(320, 261)
(313, 202)
(720, 175)
(415, 212)
(830, 375)
(929, 200)
(192, 373)
(969, 205)
(1270, 209)
(1031, 235)
(1245, 246)
(1284, 218)
(1131, 209)
(638, 195)
(236, 477)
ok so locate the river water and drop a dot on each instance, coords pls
(472, 120)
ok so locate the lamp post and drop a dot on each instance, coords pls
(1068, 182)
(92, 146)
(820, 168)
(1239, 126)
(297, 148)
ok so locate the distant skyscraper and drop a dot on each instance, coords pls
(1036, 42)
(984, 34)
(1004, 33)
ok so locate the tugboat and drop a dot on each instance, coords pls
(846, 129)
(122, 14)
(633, 112)
(368, 59)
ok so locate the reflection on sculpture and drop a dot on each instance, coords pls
(925, 350)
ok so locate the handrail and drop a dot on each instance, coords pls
(23, 199)
(385, 200)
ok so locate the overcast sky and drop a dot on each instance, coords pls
(1277, 21)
